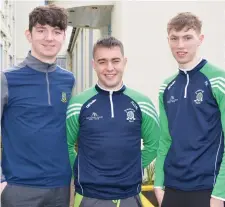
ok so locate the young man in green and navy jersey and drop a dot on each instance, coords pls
(108, 121)
(190, 162)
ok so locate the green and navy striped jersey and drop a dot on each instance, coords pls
(192, 118)
(108, 127)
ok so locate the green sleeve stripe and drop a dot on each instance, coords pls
(73, 109)
(152, 117)
(74, 104)
(150, 112)
(73, 114)
(147, 113)
(219, 83)
(146, 105)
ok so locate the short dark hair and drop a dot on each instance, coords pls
(108, 42)
(184, 19)
(50, 15)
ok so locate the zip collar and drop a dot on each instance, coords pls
(195, 69)
(107, 92)
(34, 63)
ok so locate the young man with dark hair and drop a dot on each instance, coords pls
(108, 122)
(34, 98)
(190, 162)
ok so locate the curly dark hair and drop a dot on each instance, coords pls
(49, 14)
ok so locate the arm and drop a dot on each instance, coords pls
(4, 99)
(219, 187)
(150, 133)
(4, 92)
(72, 129)
(164, 145)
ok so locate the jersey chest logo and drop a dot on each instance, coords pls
(199, 96)
(130, 115)
(64, 98)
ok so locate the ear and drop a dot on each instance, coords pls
(125, 61)
(201, 37)
(28, 35)
(93, 64)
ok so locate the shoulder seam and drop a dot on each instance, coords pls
(64, 69)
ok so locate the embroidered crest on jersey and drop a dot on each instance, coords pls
(130, 115)
(199, 96)
(64, 98)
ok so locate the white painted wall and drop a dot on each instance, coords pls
(141, 25)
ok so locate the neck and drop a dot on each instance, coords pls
(115, 88)
(43, 59)
(190, 65)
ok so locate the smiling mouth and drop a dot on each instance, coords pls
(181, 54)
(110, 75)
(48, 45)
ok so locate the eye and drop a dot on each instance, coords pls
(173, 38)
(58, 32)
(188, 38)
(41, 31)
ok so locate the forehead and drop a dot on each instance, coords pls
(108, 53)
(183, 32)
(46, 26)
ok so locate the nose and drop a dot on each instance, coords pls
(49, 36)
(180, 43)
(110, 66)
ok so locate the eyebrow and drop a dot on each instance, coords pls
(43, 27)
(104, 59)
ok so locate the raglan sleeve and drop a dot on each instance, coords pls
(219, 94)
(72, 128)
(150, 132)
(164, 145)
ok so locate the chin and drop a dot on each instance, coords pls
(49, 54)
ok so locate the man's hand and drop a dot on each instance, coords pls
(159, 193)
(216, 202)
(3, 185)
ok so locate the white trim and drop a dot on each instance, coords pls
(73, 109)
(158, 187)
(219, 198)
(185, 90)
(218, 82)
(151, 116)
(221, 89)
(111, 104)
(142, 104)
(73, 114)
(75, 104)
(217, 157)
(217, 78)
(150, 110)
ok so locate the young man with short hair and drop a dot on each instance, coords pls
(108, 122)
(190, 161)
(34, 98)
